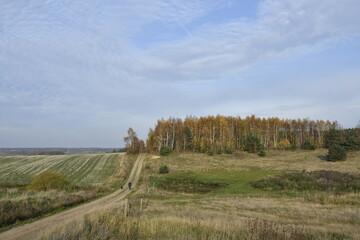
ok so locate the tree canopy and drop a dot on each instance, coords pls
(218, 133)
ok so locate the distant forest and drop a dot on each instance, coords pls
(218, 133)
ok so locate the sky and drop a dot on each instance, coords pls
(80, 73)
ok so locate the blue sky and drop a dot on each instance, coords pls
(79, 73)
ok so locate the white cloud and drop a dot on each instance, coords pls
(283, 28)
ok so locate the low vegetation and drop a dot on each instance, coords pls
(164, 151)
(19, 203)
(329, 181)
(262, 153)
(164, 169)
(336, 153)
(186, 184)
(49, 180)
(187, 223)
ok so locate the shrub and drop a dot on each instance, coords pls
(293, 147)
(219, 151)
(165, 150)
(307, 145)
(229, 151)
(252, 144)
(147, 166)
(284, 144)
(164, 169)
(262, 153)
(336, 153)
(333, 136)
(211, 153)
(49, 180)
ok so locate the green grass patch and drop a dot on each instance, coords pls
(217, 181)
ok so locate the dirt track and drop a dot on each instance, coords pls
(35, 229)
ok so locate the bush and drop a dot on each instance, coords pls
(211, 153)
(262, 153)
(49, 180)
(165, 150)
(229, 151)
(284, 144)
(336, 153)
(252, 144)
(164, 169)
(333, 136)
(219, 151)
(307, 145)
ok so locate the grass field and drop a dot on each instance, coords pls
(82, 169)
(211, 197)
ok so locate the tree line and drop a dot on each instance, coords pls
(222, 133)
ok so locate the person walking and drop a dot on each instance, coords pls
(129, 185)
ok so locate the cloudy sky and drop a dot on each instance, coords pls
(79, 73)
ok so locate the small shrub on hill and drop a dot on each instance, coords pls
(164, 169)
(211, 153)
(49, 180)
(252, 144)
(336, 153)
(219, 151)
(229, 151)
(165, 150)
(262, 153)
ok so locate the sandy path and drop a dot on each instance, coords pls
(35, 229)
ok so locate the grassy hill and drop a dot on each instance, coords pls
(82, 169)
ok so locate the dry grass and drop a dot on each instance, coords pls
(274, 161)
(18, 204)
(214, 219)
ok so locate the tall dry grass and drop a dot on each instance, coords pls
(18, 204)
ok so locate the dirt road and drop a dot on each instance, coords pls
(35, 229)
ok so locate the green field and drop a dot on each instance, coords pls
(82, 169)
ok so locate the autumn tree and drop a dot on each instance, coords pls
(132, 143)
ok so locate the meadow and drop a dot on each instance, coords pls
(214, 197)
(90, 175)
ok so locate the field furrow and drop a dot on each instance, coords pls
(80, 169)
